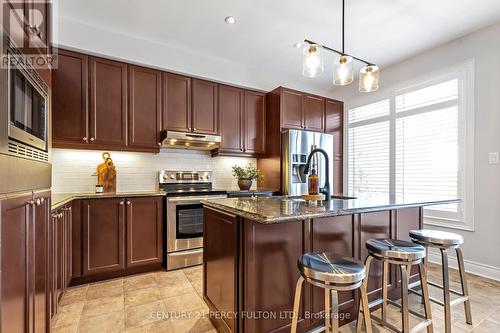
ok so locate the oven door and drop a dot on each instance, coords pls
(185, 222)
(27, 108)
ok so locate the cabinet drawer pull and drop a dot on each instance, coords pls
(121, 203)
(128, 203)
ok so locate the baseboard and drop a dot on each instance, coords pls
(472, 267)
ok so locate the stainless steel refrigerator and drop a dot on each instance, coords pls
(296, 146)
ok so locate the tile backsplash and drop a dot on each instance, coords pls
(75, 170)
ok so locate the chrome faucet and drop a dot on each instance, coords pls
(325, 189)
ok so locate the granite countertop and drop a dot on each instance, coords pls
(60, 199)
(270, 210)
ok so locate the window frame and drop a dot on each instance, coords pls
(465, 72)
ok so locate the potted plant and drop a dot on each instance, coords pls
(246, 175)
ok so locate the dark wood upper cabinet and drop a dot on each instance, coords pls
(108, 102)
(291, 109)
(103, 235)
(313, 113)
(70, 100)
(144, 231)
(205, 107)
(176, 102)
(231, 119)
(334, 122)
(255, 123)
(144, 112)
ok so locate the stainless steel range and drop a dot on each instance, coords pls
(184, 219)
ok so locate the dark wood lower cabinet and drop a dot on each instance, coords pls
(103, 235)
(144, 231)
(24, 263)
(115, 237)
(259, 266)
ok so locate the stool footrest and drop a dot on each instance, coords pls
(417, 328)
(379, 301)
(434, 284)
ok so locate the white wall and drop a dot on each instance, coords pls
(74, 170)
(482, 246)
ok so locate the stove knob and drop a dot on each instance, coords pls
(207, 177)
(172, 177)
(202, 178)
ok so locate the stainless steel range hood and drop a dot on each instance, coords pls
(187, 140)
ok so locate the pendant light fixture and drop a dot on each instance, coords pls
(312, 65)
(368, 78)
(343, 72)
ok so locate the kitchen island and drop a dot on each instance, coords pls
(251, 247)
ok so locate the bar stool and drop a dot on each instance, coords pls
(444, 241)
(332, 273)
(404, 254)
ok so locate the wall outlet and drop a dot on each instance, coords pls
(493, 158)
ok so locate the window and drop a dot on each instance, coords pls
(418, 141)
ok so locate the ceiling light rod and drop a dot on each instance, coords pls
(338, 52)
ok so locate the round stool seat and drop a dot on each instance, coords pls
(436, 237)
(329, 268)
(395, 249)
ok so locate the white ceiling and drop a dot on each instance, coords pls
(191, 36)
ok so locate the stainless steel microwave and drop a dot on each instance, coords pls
(25, 115)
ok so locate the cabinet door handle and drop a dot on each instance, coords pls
(85, 139)
(189, 128)
(121, 203)
(92, 139)
(159, 144)
(194, 129)
(128, 203)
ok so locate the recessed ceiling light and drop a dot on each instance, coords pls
(230, 20)
(297, 45)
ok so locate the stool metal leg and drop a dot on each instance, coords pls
(465, 288)
(446, 291)
(296, 304)
(425, 295)
(366, 311)
(385, 274)
(364, 286)
(328, 312)
(335, 311)
(404, 299)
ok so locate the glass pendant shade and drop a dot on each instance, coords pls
(312, 65)
(343, 73)
(368, 78)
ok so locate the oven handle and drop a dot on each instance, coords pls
(194, 199)
(188, 252)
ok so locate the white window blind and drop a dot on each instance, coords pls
(368, 153)
(414, 143)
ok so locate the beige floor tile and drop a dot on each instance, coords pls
(190, 302)
(142, 296)
(487, 326)
(74, 294)
(160, 326)
(495, 316)
(101, 306)
(194, 325)
(104, 292)
(113, 283)
(170, 279)
(144, 314)
(140, 281)
(63, 319)
(109, 322)
(180, 289)
(71, 328)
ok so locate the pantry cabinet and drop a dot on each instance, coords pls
(24, 263)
